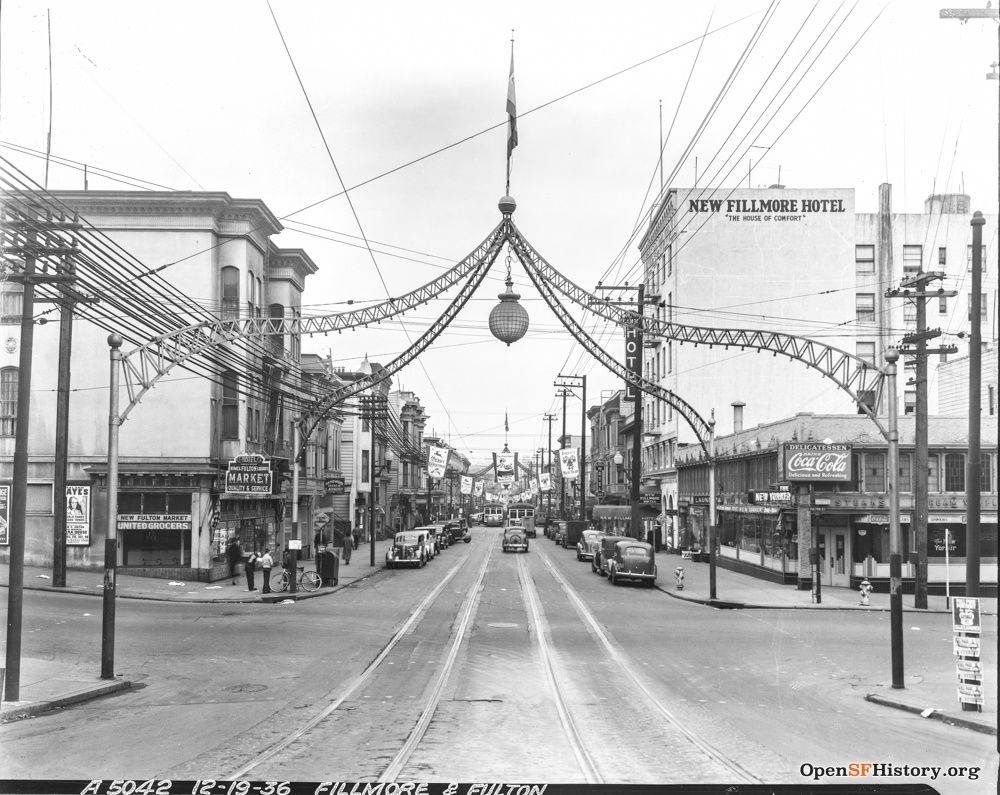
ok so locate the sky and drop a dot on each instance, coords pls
(410, 98)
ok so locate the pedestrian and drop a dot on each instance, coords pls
(234, 555)
(348, 546)
(266, 563)
(356, 535)
(251, 569)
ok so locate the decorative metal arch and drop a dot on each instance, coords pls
(850, 373)
(528, 256)
(143, 366)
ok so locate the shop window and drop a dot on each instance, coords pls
(11, 301)
(905, 473)
(864, 259)
(854, 484)
(909, 401)
(932, 474)
(864, 306)
(985, 473)
(365, 465)
(954, 472)
(874, 472)
(230, 293)
(8, 401)
(157, 545)
(230, 405)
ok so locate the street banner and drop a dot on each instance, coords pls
(4, 515)
(815, 461)
(477, 489)
(569, 464)
(78, 516)
(505, 468)
(545, 481)
(965, 614)
(466, 484)
(437, 461)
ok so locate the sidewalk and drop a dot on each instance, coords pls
(935, 691)
(46, 685)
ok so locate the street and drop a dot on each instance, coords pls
(486, 666)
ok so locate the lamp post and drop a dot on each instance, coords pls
(111, 541)
(895, 540)
(711, 507)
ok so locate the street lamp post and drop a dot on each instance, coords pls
(111, 541)
(895, 540)
(711, 508)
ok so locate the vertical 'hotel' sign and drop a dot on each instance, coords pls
(633, 360)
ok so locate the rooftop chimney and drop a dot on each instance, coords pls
(737, 415)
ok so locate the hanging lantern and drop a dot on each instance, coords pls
(509, 320)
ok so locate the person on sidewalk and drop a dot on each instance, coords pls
(348, 546)
(266, 563)
(356, 537)
(235, 555)
(251, 567)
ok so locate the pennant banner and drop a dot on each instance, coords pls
(466, 484)
(545, 480)
(505, 468)
(477, 489)
(569, 464)
(437, 461)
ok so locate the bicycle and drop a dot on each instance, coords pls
(308, 580)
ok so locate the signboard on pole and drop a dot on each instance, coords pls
(505, 468)
(78, 516)
(466, 484)
(816, 461)
(248, 476)
(569, 464)
(965, 614)
(4, 515)
(545, 479)
(477, 488)
(437, 461)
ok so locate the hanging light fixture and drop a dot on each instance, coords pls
(509, 320)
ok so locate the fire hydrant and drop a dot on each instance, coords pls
(679, 577)
(865, 589)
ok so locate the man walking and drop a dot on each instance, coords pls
(234, 554)
(266, 563)
(251, 566)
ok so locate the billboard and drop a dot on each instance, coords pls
(817, 461)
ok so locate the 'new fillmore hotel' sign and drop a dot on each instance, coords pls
(809, 461)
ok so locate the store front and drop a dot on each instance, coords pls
(759, 540)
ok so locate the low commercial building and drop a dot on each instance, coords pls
(767, 524)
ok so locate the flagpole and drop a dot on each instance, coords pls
(511, 113)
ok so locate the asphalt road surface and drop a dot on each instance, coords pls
(485, 666)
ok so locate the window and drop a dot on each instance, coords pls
(864, 306)
(365, 466)
(968, 257)
(982, 306)
(250, 434)
(954, 472)
(866, 352)
(230, 406)
(10, 305)
(910, 312)
(864, 259)
(985, 473)
(942, 255)
(8, 401)
(909, 401)
(230, 293)
(38, 498)
(277, 341)
(905, 482)
(874, 472)
(932, 474)
(912, 257)
(991, 397)
(670, 259)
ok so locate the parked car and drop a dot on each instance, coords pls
(571, 532)
(589, 541)
(443, 536)
(604, 553)
(476, 518)
(515, 538)
(431, 531)
(632, 560)
(409, 548)
(457, 531)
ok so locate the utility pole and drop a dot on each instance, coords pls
(549, 418)
(571, 382)
(973, 483)
(562, 445)
(32, 234)
(895, 541)
(915, 289)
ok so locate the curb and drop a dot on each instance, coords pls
(725, 605)
(39, 707)
(944, 717)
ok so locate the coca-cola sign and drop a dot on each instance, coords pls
(816, 461)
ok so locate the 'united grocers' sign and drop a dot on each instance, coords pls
(809, 461)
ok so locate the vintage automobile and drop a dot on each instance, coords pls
(589, 541)
(632, 560)
(409, 548)
(603, 554)
(443, 536)
(571, 532)
(458, 531)
(556, 531)
(431, 531)
(476, 518)
(515, 538)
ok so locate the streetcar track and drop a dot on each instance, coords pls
(583, 757)
(624, 664)
(458, 635)
(360, 680)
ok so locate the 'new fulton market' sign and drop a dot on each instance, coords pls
(816, 461)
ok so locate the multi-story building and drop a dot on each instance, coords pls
(953, 384)
(802, 262)
(174, 513)
(848, 521)
(404, 488)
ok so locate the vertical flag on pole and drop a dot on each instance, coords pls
(511, 114)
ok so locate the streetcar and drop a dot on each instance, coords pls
(493, 516)
(524, 514)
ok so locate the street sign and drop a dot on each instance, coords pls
(965, 614)
(248, 476)
(758, 497)
(967, 622)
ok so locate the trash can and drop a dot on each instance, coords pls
(328, 566)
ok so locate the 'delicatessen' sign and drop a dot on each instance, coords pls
(248, 476)
(816, 461)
